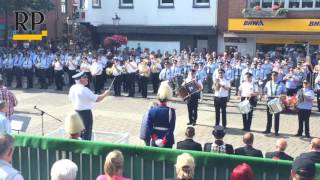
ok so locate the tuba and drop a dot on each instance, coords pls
(144, 71)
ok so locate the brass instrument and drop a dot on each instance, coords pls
(144, 70)
(300, 96)
(216, 86)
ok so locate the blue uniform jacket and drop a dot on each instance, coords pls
(159, 117)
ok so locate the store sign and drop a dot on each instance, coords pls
(275, 25)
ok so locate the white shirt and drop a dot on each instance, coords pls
(57, 66)
(222, 91)
(246, 88)
(132, 67)
(85, 67)
(5, 126)
(72, 64)
(96, 68)
(81, 97)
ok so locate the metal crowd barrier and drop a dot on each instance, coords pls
(34, 156)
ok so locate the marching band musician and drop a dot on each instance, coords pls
(166, 73)
(72, 67)
(116, 72)
(317, 89)
(144, 74)
(97, 77)
(85, 67)
(248, 90)
(291, 82)
(305, 102)
(8, 67)
(132, 68)
(177, 75)
(211, 67)
(221, 92)
(58, 72)
(162, 119)
(192, 103)
(155, 71)
(18, 61)
(273, 89)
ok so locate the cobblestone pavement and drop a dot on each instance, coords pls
(123, 115)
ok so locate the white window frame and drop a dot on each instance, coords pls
(125, 5)
(196, 4)
(63, 6)
(166, 5)
(286, 5)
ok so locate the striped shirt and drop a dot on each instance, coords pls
(10, 99)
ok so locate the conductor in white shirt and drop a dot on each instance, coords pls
(83, 100)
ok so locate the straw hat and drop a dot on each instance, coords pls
(73, 123)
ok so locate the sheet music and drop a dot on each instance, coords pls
(16, 125)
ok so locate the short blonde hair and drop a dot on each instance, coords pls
(164, 91)
(113, 163)
(185, 166)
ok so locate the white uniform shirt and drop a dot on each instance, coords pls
(57, 65)
(132, 67)
(222, 91)
(247, 88)
(72, 64)
(96, 68)
(81, 97)
(85, 67)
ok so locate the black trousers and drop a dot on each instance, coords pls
(291, 92)
(86, 116)
(131, 83)
(237, 83)
(303, 117)
(58, 78)
(9, 76)
(70, 74)
(220, 103)
(193, 108)
(318, 99)
(50, 75)
(209, 82)
(43, 78)
(18, 72)
(97, 83)
(29, 75)
(117, 85)
(247, 118)
(144, 86)
(89, 79)
(155, 82)
(269, 121)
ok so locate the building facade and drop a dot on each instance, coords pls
(264, 25)
(156, 24)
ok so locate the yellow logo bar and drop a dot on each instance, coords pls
(29, 37)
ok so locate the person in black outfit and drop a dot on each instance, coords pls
(248, 150)
(189, 143)
(193, 100)
(279, 154)
(218, 145)
(303, 169)
(314, 154)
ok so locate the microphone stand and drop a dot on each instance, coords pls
(42, 113)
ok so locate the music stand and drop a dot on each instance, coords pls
(20, 123)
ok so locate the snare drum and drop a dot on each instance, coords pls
(244, 107)
(275, 106)
(188, 89)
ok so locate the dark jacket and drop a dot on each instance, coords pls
(189, 144)
(248, 151)
(219, 147)
(278, 155)
(313, 156)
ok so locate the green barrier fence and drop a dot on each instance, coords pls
(35, 155)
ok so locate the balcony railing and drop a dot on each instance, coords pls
(34, 157)
(262, 13)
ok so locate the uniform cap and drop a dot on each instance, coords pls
(79, 75)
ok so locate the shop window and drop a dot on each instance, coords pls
(254, 3)
(317, 5)
(294, 3)
(266, 3)
(126, 3)
(279, 3)
(307, 3)
(166, 3)
(201, 3)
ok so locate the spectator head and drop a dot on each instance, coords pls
(242, 172)
(281, 144)
(6, 147)
(185, 167)
(113, 165)
(164, 91)
(190, 132)
(303, 169)
(315, 144)
(305, 84)
(73, 125)
(248, 76)
(64, 169)
(3, 106)
(218, 132)
(248, 138)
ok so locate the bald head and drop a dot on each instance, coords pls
(315, 144)
(248, 138)
(281, 144)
